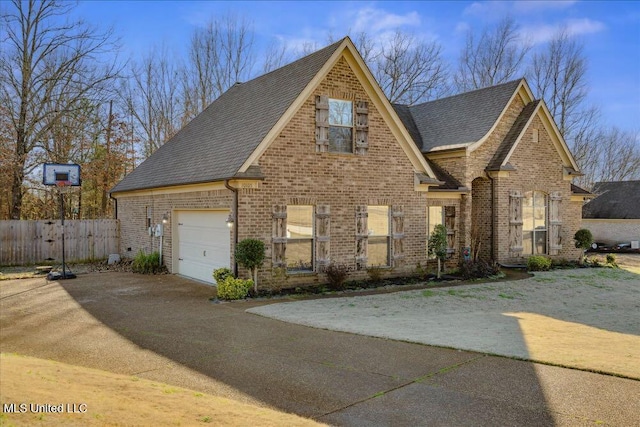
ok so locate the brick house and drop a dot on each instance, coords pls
(313, 160)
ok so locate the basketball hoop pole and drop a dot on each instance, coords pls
(61, 186)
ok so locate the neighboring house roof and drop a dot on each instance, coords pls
(459, 120)
(226, 139)
(614, 200)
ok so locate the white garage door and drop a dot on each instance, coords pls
(203, 243)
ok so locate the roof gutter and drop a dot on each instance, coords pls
(234, 214)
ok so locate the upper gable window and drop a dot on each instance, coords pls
(340, 126)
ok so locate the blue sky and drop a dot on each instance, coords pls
(610, 31)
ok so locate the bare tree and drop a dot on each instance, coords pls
(153, 99)
(220, 54)
(497, 56)
(46, 62)
(276, 55)
(409, 70)
(366, 46)
(613, 155)
(559, 76)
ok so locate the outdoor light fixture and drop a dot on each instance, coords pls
(230, 221)
(165, 218)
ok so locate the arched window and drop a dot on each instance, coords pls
(534, 226)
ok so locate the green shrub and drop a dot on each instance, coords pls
(336, 275)
(146, 264)
(538, 263)
(221, 274)
(232, 289)
(611, 260)
(479, 269)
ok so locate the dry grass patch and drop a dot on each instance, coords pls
(116, 400)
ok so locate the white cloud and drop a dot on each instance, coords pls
(375, 20)
(488, 10)
(537, 34)
(371, 20)
(539, 6)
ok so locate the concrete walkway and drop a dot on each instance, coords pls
(164, 328)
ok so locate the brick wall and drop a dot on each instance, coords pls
(132, 213)
(538, 167)
(296, 173)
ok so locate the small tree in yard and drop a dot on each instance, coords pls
(438, 245)
(250, 254)
(583, 239)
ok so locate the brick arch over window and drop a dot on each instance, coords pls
(481, 219)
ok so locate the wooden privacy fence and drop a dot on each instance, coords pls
(30, 242)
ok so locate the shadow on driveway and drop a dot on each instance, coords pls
(164, 328)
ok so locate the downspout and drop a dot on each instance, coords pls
(235, 223)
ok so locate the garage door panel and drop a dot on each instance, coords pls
(203, 243)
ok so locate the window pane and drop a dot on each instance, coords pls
(540, 217)
(378, 251)
(540, 242)
(527, 219)
(378, 221)
(340, 112)
(299, 221)
(527, 242)
(538, 198)
(435, 218)
(340, 139)
(299, 255)
(528, 199)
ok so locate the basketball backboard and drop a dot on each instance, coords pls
(55, 173)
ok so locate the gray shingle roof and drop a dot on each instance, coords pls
(215, 144)
(615, 200)
(512, 136)
(458, 119)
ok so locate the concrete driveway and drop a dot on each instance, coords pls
(164, 328)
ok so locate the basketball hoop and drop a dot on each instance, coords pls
(63, 186)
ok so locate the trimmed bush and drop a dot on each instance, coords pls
(437, 245)
(146, 264)
(221, 274)
(583, 238)
(538, 263)
(479, 269)
(336, 275)
(250, 254)
(232, 289)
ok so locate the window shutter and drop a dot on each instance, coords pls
(279, 235)
(515, 223)
(362, 127)
(362, 235)
(397, 224)
(323, 226)
(322, 123)
(450, 224)
(555, 223)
